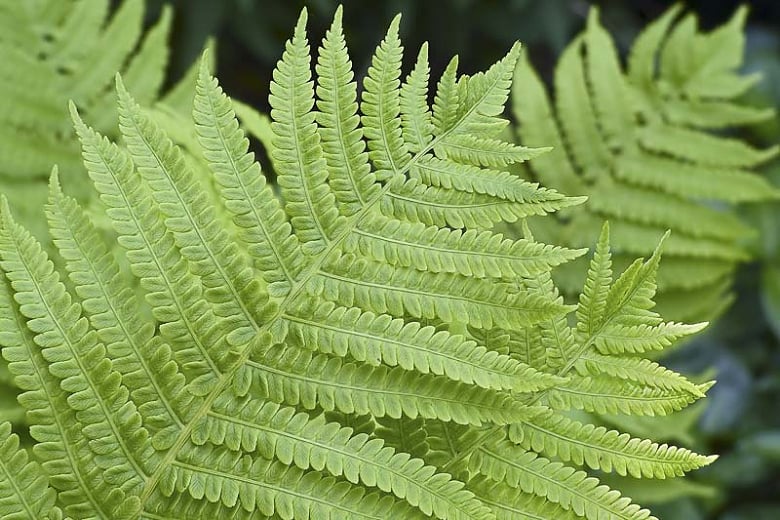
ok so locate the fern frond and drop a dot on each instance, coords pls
(271, 488)
(177, 301)
(446, 99)
(56, 51)
(110, 423)
(593, 301)
(298, 155)
(295, 439)
(508, 504)
(381, 107)
(638, 370)
(530, 97)
(225, 273)
(115, 314)
(595, 383)
(619, 339)
(330, 383)
(380, 339)
(471, 179)
(359, 345)
(483, 254)
(254, 208)
(416, 117)
(645, 144)
(451, 297)
(708, 182)
(342, 137)
(442, 207)
(651, 208)
(63, 452)
(605, 396)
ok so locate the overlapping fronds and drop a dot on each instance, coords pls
(649, 146)
(356, 344)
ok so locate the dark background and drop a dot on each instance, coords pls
(741, 421)
(251, 33)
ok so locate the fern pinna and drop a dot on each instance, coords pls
(647, 147)
(361, 346)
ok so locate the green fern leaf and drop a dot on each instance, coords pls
(361, 345)
(573, 490)
(415, 113)
(349, 171)
(616, 384)
(508, 504)
(255, 210)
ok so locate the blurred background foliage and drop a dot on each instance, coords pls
(742, 419)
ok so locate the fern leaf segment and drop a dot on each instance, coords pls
(255, 210)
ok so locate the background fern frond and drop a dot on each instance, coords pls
(56, 51)
(644, 145)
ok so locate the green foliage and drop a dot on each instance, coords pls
(647, 147)
(359, 345)
(56, 50)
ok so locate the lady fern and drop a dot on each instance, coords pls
(646, 147)
(361, 345)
